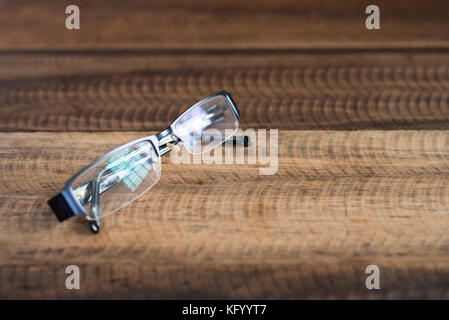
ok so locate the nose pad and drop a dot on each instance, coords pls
(176, 147)
(94, 226)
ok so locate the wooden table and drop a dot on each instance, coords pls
(363, 176)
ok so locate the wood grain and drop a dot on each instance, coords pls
(341, 200)
(223, 24)
(286, 90)
(363, 172)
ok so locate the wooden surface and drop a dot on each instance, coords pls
(147, 91)
(363, 175)
(230, 24)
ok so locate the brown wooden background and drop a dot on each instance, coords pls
(363, 119)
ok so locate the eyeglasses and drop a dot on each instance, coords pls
(127, 172)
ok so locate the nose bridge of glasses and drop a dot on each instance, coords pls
(166, 138)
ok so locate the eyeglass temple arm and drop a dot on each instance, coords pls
(95, 201)
(166, 137)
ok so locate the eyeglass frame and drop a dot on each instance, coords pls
(66, 205)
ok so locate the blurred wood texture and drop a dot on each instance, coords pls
(363, 173)
(223, 24)
(147, 91)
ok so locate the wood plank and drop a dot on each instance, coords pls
(290, 90)
(340, 200)
(223, 24)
